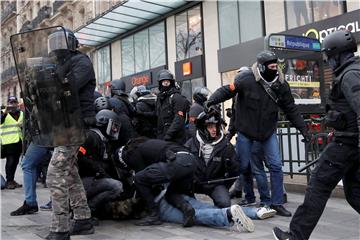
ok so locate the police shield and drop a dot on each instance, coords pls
(51, 101)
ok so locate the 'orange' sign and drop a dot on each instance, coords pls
(187, 68)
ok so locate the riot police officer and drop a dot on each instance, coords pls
(63, 177)
(145, 120)
(340, 160)
(171, 109)
(260, 92)
(158, 162)
(117, 89)
(200, 95)
(103, 180)
(127, 130)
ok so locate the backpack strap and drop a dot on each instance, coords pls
(103, 140)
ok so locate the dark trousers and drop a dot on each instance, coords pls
(101, 191)
(12, 160)
(218, 193)
(181, 169)
(338, 161)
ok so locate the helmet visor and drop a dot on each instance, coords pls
(57, 41)
(113, 129)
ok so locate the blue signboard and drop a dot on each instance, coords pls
(291, 42)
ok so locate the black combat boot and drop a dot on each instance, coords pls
(189, 215)
(58, 236)
(82, 227)
(152, 219)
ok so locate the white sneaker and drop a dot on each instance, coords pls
(265, 212)
(241, 221)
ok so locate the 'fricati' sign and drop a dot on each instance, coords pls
(349, 21)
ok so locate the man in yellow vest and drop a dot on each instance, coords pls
(11, 139)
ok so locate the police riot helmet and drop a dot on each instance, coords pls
(264, 59)
(205, 118)
(109, 122)
(201, 94)
(62, 39)
(139, 91)
(117, 87)
(101, 103)
(338, 42)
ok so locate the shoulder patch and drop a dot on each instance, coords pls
(82, 150)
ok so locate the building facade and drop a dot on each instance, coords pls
(202, 42)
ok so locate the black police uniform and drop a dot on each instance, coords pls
(157, 162)
(340, 159)
(171, 110)
(145, 121)
(222, 164)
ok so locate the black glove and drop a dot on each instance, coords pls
(90, 121)
(207, 105)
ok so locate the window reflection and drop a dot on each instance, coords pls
(326, 9)
(143, 50)
(298, 13)
(188, 34)
(103, 66)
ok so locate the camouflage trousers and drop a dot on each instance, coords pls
(65, 184)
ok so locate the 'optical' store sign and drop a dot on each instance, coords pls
(319, 30)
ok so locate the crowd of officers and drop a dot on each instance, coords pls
(142, 147)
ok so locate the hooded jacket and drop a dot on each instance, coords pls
(256, 113)
(222, 163)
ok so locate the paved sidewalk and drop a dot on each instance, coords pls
(339, 221)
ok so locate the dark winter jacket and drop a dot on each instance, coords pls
(256, 114)
(145, 121)
(83, 75)
(148, 152)
(171, 110)
(222, 164)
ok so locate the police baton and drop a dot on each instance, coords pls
(308, 165)
(219, 180)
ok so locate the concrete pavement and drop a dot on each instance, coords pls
(339, 221)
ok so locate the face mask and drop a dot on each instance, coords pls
(269, 75)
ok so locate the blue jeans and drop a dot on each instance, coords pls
(33, 157)
(253, 165)
(205, 214)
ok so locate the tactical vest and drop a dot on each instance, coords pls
(340, 115)
(10, 130)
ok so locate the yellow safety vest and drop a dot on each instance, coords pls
(11, 130)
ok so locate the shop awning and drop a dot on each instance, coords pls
(122, 18)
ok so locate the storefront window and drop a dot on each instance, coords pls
(188, 34)
(157, 45)
(228, 23)
(188, 87)
(298, 13)
(143, 50)
(303, 12)
(250, 15)
(326, 9)
(103, 67)
(239, 21)
(127, 56)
